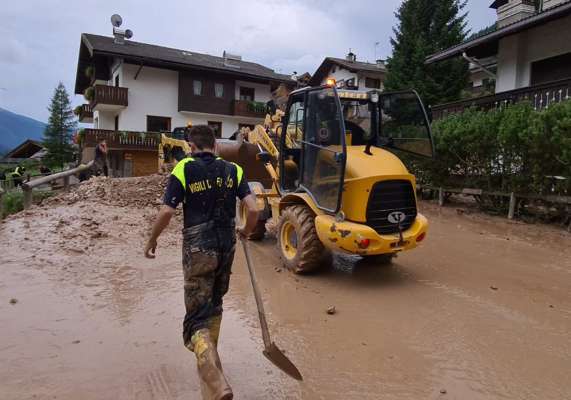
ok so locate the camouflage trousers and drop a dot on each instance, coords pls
(207, 256)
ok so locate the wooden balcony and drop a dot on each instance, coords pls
(122, 140)
(251, 109)
(540, 97)
(86, 113)
(109, 98)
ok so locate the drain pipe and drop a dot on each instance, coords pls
(477, 63)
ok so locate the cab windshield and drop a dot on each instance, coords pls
(358, 124)
(396, 121)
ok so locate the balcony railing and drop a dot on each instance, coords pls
(540, 97)
(86, 113)
(110, 95)
(122, 140)
(252, 109)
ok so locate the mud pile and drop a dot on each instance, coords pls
(125, 192)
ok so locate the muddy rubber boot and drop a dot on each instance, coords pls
(214, 328)
(209, 367)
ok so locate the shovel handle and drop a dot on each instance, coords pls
(257, 296)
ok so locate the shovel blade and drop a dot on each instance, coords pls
(279, 359)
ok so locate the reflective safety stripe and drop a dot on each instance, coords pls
(239, 172)
(178, 170)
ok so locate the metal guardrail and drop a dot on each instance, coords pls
(28, 187)
(1, 203)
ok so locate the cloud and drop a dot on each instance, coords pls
(12, 51)
(40, 38)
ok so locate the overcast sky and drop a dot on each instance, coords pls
(39, 39)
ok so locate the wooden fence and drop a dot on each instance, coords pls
(514, 198)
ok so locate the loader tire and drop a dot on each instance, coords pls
(300, 247)
(259, 230)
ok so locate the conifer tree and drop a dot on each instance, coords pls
(425, 27)
(58, 132)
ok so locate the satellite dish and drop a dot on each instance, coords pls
(128, 33)
(116, 20)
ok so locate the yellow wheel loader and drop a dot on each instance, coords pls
(336, 182)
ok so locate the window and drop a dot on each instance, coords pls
(551, 69)
(197, 88)
(247, 93)
(158, 124)
(216, 127)
(219, 90)
(116, 122)
(250, 126)
(373, 83)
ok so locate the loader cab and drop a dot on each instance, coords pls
(313, 149)
(321, 122)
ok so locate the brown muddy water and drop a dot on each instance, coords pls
(481, 311)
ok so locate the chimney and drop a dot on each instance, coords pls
(510, 11)
(380, 63)
(351, 56)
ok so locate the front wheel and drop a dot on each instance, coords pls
(300, 247)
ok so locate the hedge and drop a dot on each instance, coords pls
(516, 149)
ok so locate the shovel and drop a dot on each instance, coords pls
(271, 351)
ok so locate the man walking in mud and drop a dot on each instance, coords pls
(207, 186)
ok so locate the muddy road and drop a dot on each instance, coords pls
(481, 311)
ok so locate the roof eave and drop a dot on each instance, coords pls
(185, 66)
(512, 29)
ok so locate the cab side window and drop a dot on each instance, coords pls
(292, 144)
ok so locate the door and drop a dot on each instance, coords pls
(404, 124)
(323, 149)
(290, 143)
(315, 141)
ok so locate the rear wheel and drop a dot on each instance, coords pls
(300, 247)
(259, 230)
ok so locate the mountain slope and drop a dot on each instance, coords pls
(15, 128)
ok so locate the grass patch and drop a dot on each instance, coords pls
(13, 201)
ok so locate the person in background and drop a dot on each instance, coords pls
(100, 162)
(45, 170)
(18, 175)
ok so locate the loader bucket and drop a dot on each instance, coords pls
(244, 154)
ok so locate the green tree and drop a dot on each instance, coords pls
(425, 27)
(58, 133)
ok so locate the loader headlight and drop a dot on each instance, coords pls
(340, 216)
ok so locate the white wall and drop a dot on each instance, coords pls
(229, 123)
(155, 92)
(341, 74)
(262, 92)
(517, 52)
(105, 119)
